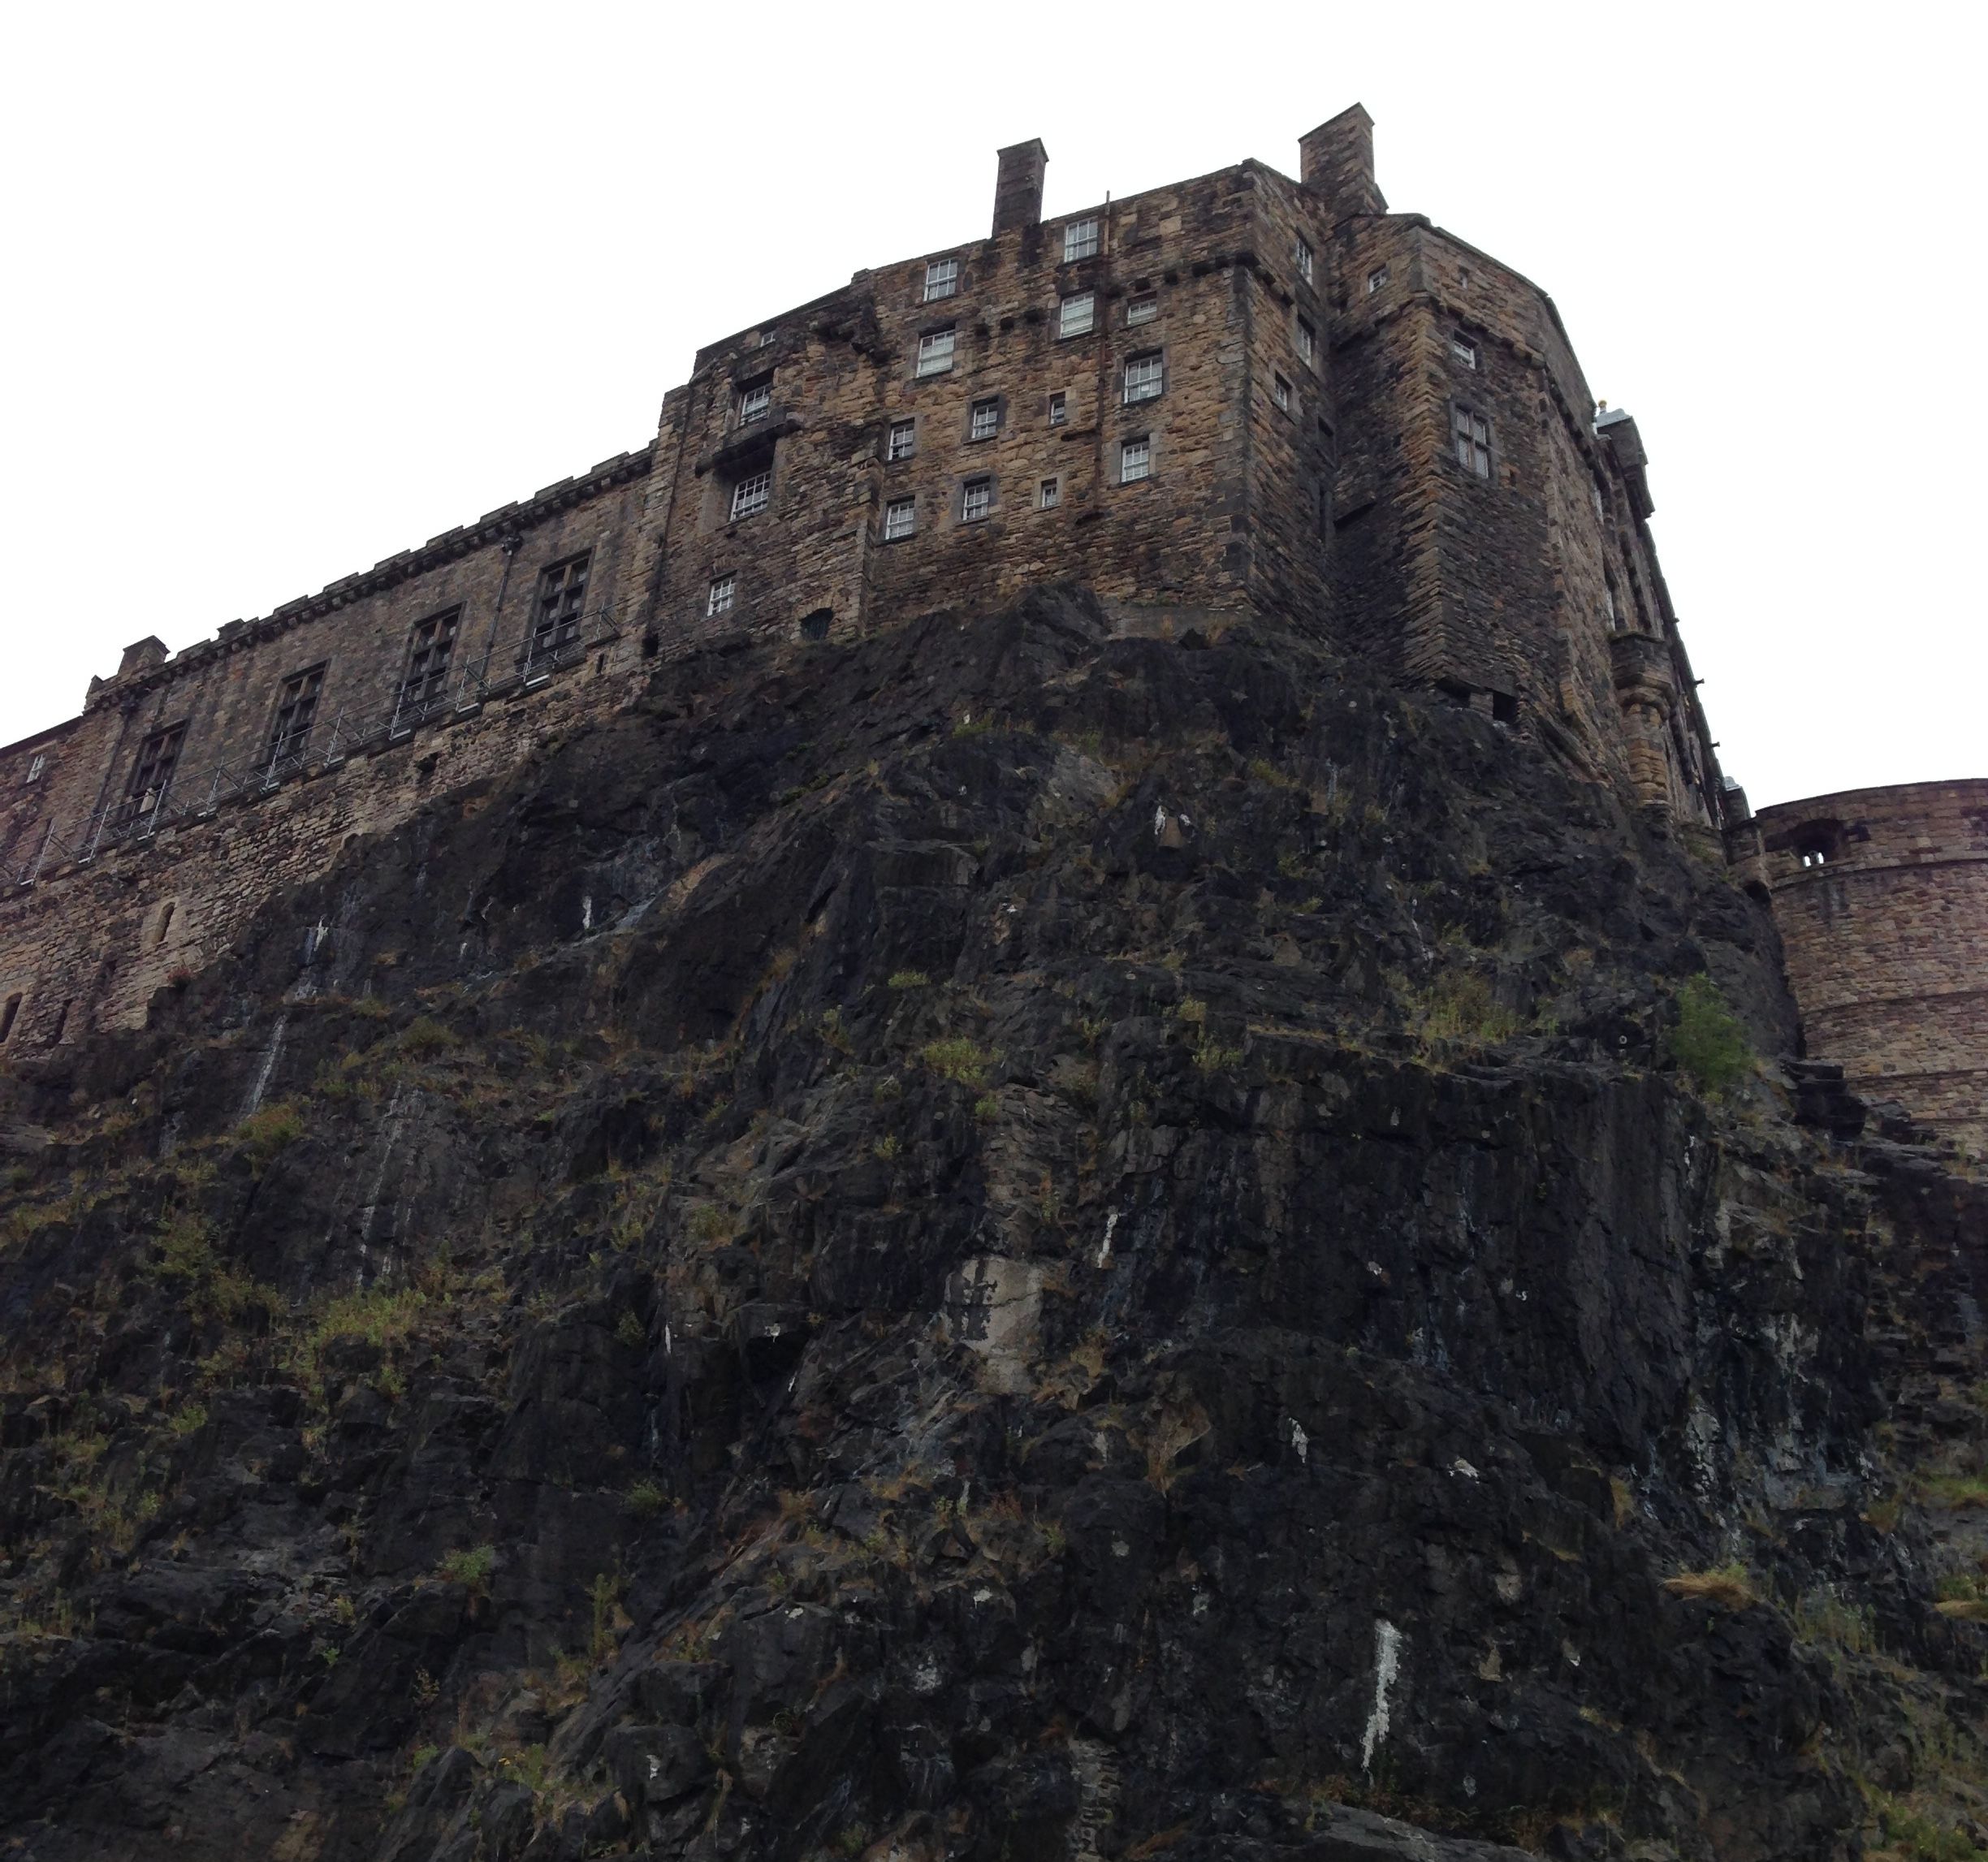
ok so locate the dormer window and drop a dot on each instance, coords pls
(1077, 315)
(755, 397)
(1080, 240)
(941, 278)
(934, 353)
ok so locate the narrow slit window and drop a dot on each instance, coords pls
(1144, 378)
(903, 440)
(10, 1013)
(1077, 315)
(296, 711)
(560, 605)
(1308, 343)
(1080, 240)
(900, 519)
(429, 650)
(941, 278)
(722, 592)
(1473, 442)
(976, 499)
(1049, 494)
(985, 422)
(1305, 262)
(934, 353)
(752, 494)
(1135, 460)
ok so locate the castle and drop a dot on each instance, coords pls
(1238, 394)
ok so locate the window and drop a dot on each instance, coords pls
(1375, 278)
(34, 775)
(900, 519)
(1134, 459)
(1077, 315)
(429, 649)
(1142, 310)
(1308, 343)
(159, 756)
(941, 278)
(903, 439)
(1049, 494)
(557, 612)
(934, 353)
(723, 592)
(985, 421)
(1615, 614)
(1059, 408)
(1815, 856)
(976, 499)
(1304, 259)
(1143, 377)
(1280, 391)
(752, 492)
(1080, 240)
(9, 1015)
(1463, 351)
(1473, 442)
(755, 398)
(296, 709)
(815, 624)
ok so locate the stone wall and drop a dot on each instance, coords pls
(1882, 897)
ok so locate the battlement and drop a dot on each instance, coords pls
(1237, 394)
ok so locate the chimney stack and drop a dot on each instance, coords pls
(1018, 189)
(1336, 160)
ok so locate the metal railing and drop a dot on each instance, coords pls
(191, 797)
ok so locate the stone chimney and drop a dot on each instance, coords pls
(1018, 189)
(1337, 161)
(141, 653)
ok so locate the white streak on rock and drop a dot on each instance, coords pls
(1387, 1664)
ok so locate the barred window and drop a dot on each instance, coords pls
(429, 649)
(1059, 408)
(934, 353)
(1076, 316)
(900, 519)
(1142, 310)
(1375, 278)
(1080, 240)
(1473, 442)
(723, 591)
(1049, 494)
(1304, 259)
(752, 494)
(976, 499)
(755, 398)
(297, 710)
(903, 439)
(1134, 459)
(561, 600)
(941, 278)
(1143, 377)
(1308, 342)
(986, 421)
(1463, 351)
(159, 756)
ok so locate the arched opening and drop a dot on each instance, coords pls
(165, 922)
(815, 626)
(10, 1013)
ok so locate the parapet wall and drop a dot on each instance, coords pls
(1882, 899)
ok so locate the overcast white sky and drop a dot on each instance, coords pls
(298, 287)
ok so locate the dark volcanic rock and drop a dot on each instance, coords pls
(994, 1243)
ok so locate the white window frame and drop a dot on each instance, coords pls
(1144, 379)
(1308, 343)
(901, 519)
(1305, 257)
(941, 279)
(1080, 239)
(1135, 458)
(1059, 408)
(1142, 310)
(1470, 434)
(1376, 279)
(1049, 493)
(752, 494)
(722, 594)
(1067, 312)
(36, 767)
(1280, 391)
(984, 420)
(1462, 350)
(976, 500)
(934, 351)
(754, 402)
(904, 430)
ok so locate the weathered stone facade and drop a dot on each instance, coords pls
(1239, 394)
(1882, 898)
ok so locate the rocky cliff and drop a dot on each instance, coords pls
(996, 1243)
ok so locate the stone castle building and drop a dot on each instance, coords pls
(1239, 394)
